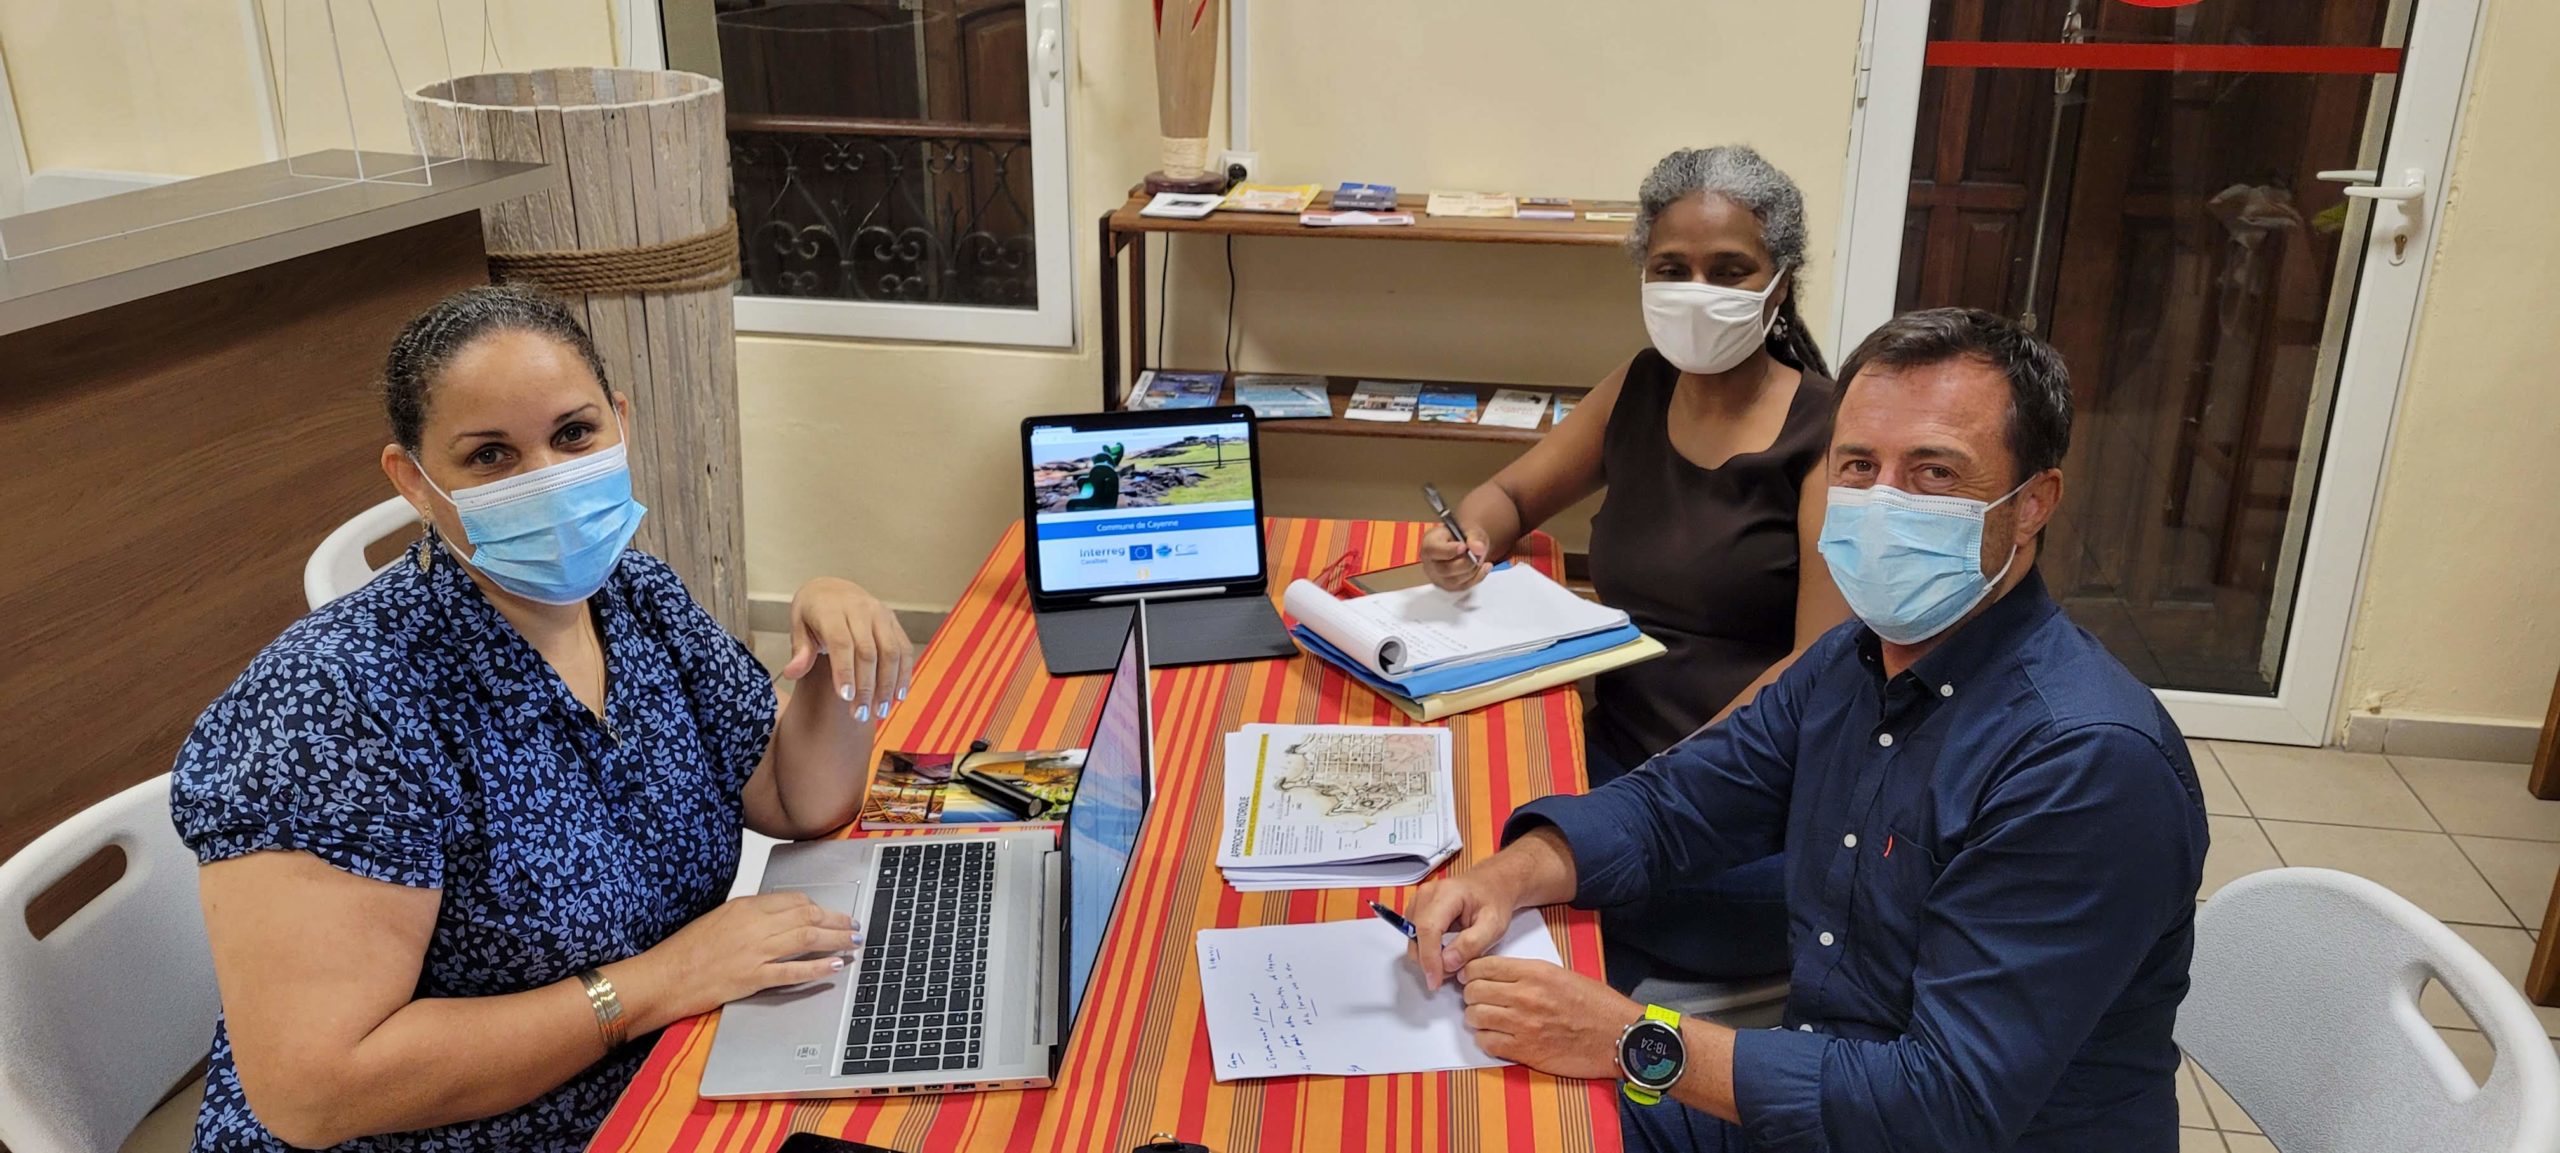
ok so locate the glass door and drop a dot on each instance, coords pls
(2219, 211)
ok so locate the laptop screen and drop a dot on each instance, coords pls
(1133, 508)
(1102, 823)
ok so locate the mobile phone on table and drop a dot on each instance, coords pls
(1387, 580)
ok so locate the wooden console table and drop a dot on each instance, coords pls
(187, 405)
(1125, 354)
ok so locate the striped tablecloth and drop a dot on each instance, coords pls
(1138, 1062)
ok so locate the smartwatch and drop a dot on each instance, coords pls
(1651, 1055)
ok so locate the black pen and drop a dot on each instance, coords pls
(1019, 802)
(1391, 917)
(1449, 520)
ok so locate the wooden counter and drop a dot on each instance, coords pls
(187, 404)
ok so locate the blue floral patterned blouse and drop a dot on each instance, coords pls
(406, 733)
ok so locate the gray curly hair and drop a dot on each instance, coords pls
(1737, 173)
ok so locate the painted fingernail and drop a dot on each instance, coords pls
(835, 964)
(844, 692)
(863, 714)
(885, 706)
(902, 694)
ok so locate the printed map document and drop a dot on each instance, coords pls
(1336, 807)
(1339, 999)
(1514, 610)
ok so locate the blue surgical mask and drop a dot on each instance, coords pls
(1909, 565)
(554, 534)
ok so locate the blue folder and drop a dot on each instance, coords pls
(1423, 684)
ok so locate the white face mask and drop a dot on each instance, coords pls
(1708, 328)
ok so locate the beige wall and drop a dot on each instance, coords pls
(1495, 94)
(2461, 607)
(181, 87)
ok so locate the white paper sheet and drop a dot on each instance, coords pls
(1338, 998)
(1513, 610)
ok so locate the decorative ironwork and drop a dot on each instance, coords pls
(914, 211)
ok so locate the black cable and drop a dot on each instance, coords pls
(1229, 345)
(1164, 280)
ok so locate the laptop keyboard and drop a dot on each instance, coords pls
(920, 999)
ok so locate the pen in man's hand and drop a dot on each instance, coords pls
(1449, 520)
(1391, 917)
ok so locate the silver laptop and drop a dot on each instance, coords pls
(977, 947)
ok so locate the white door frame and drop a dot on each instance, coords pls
(2434, 77)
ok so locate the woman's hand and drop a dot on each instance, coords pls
(860, 641)
(739, 949)
(1447, 561)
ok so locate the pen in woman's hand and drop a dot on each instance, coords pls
(1449, 521)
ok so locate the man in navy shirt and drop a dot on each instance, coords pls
(1993, 831)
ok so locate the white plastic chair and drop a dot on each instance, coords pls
(2304, 1007)
(110, 1010)
(338, 566)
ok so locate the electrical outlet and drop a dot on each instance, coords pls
(1228, 162)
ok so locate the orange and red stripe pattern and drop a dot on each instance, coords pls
(1138, 1062)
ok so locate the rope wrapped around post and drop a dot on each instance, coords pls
(709, 260)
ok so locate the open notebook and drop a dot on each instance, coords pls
(1515, 609)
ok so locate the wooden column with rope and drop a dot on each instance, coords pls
(639, 234)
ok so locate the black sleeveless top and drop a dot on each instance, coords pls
(1703, 559)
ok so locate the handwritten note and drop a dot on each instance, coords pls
(1338, 998)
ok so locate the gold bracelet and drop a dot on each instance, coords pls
(608, 1006)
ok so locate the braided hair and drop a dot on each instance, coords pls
(430, 342)
(1738, 174)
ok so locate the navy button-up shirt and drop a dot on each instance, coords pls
(1992, 863)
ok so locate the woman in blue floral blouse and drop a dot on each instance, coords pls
(465, 831)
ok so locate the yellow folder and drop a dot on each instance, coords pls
(1455, 701)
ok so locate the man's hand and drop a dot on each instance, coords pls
(1546, 1017)
(1477, 905)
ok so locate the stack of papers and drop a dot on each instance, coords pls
(1515, 609)
(1336, 807)
(1339, 998)
(1436, 654)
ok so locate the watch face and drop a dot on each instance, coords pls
(1651, 1054)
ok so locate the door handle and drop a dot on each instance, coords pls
(2413, 184)
(2405, 199)
(1052, 59)
(2350, 175)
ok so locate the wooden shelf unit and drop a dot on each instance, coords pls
(1124, 349)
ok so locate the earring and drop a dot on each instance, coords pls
(1779, 327)
(427, 548)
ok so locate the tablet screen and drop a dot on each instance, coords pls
(1137, 507)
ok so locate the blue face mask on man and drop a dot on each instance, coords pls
(1909, 565)
(554, 534)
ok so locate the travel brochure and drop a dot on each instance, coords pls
(1545, 208)
(1289, 198)
(1564, 405)
(1367, 197)
(918, 790)
(1336, 807)
(1498, 205)
(1183, 205)
(1514, 408)
(1444, 405)
(1319, 218)
(1387, 402)
(1274, 397)
(1177, 389)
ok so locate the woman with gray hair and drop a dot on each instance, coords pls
(1706, 537)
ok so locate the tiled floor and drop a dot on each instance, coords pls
(2462, 839)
